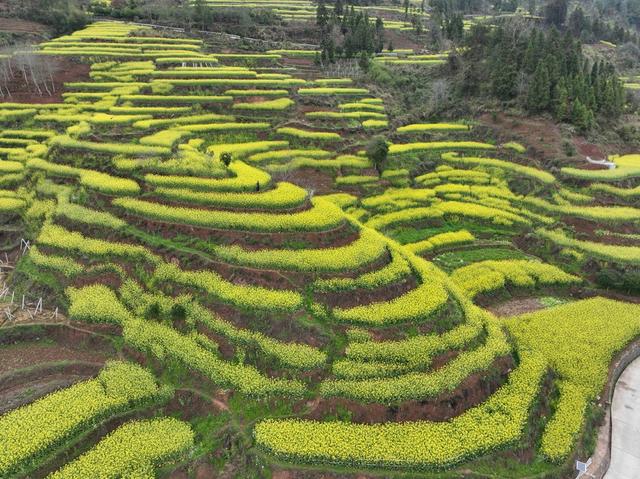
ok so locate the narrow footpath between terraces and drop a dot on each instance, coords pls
(625, 433)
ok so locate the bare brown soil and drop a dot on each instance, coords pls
(17, 25)
(37, 361)
(66, 70)
(585, 148)
(516, 306)
(350, 299)
(541, 135)
(401, 41)
(23, 387)
(284, 328)
(587, 230)
(311, 179)
(29, 354)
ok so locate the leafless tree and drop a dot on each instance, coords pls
(439, 94)
(36, 70)
(6, 73)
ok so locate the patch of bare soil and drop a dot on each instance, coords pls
(30, 390)
(585, 148)
(516, 306)
(359, 297)
(29, 354)
(588, 230)
(17, 25)
(65, 70)
(311, 179)
(541, 135)
(400, 40)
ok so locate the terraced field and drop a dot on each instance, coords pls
(232, 290)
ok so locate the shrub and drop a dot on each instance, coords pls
(377, 152)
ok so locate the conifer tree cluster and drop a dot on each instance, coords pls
(545, 72)
(592, 28)
(345, 33)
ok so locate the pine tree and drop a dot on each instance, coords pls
(561, 95)
(379, 35)
(531, 55)
(338, 9)
(581, 116)
(539, 96)
(504, 72)
(363, 61)
(555, 12)
(322, 15)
